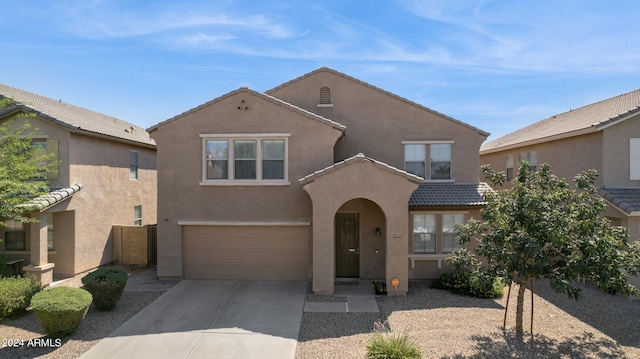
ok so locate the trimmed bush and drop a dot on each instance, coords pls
(468, 277)
(61, 309)
(385, 344)
(16, 294)
(106, 285)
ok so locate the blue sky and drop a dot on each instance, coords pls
(497, 65)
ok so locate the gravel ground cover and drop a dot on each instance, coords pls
(95, 326)
(446, 325)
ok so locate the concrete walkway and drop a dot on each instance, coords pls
(359, 298)
(212, 319)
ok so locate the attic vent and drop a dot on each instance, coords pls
(325, 97)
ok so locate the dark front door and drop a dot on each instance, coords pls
(347, 245)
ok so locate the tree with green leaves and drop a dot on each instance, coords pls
(23, 168)
(542, 227)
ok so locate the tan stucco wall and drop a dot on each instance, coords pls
(377, 123)
(82, 224)
(180, 162)
(109, 196)
(567, 157)
(360, 179)
(616, 152)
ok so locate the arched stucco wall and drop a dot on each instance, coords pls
(360, 177)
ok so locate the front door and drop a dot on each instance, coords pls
(347, 245)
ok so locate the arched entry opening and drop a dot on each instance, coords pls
(360, 244)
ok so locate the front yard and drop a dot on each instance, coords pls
(451, 326)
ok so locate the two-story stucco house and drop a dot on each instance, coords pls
(320, 178)
(604, 136)
(106, 175)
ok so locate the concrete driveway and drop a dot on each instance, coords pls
(212, 319)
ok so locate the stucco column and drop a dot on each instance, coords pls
(40, 267)
(323, 250)
(397, 251)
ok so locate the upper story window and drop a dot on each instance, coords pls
(325, 97)
(509, 167)
(259, 159)
(634, 158)
(431, 161)
(530, 157)
(133, 165)
(50, 148)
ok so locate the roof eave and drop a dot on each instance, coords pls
(537, 141)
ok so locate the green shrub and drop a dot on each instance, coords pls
(61, 309)
(106, 285)
(385, 344)
(16, 294)
(468, 277)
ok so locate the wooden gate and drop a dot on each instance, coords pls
(135, 245)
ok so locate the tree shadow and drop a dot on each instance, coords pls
(616, 316)
(509, 345)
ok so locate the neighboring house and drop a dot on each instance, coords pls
(320, 178)
(106, 176)
(604, 136)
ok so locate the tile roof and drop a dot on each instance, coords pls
(625, 199)
(327, 69)
(74, 118)
(359, 158)
(591, 117)
(263, 96)
(52, 198)
(449, 194)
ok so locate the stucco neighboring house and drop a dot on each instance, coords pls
(106, 176)
(323, 177)
(604, 136)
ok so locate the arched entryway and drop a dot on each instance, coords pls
(360, 246)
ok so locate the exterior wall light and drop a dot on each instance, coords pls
(378, 232)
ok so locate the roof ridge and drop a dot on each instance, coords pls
(404, 99)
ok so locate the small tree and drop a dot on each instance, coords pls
(22, 168)
(542, 228)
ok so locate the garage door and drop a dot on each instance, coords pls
(255, 252)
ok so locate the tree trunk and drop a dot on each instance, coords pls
(520, 307)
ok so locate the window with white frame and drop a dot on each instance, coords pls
(137, 215)
(530, 157)
(509, 167)
(133, 165)
(634, 159)
(14, 235)
(438, 165)
(424, 233)
(50, 231)
(435, 233)
(245, 159)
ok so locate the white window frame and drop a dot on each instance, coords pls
(133, 165)
(137, 215)
(439, 256)
(531, 157)
(428, 159)
(509, 167)
(634, 159)
(258, 137)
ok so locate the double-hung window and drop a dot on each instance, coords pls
(429, 160)
(133, 165)
(509, 167)
(240, 159)
(14, 235)
(530, 157)
(435, 233)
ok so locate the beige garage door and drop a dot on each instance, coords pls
(255, 252)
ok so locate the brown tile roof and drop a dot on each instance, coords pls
(74, 118)
(449, 194)
(625, 199)
(359, 158)
(52, 198)
(592, 117)
(327, 69)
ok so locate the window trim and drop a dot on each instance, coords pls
(259, 137)
(133, 167)
(137, 221)
(439, 234)
(428, 159)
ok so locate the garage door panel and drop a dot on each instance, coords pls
(232, 252)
